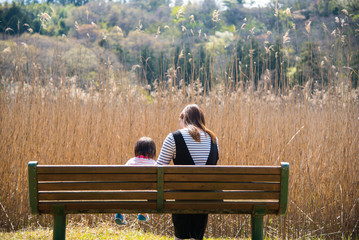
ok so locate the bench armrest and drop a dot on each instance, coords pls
(33, 187)
(284, 178)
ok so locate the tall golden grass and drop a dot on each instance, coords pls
(59, 123)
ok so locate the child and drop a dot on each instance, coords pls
(145, 151)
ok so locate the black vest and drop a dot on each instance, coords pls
(183, 157)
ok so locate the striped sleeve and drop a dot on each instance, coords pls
(168, 151)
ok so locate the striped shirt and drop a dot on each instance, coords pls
(140, 161)
(199, 151)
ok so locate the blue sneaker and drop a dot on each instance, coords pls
(119, 219)
(142, 217)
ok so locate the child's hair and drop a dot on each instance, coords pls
(145, 146)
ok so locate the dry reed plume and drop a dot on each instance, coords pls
(320, 142)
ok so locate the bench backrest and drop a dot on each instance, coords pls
(158, 189)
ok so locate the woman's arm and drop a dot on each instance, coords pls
(168, 151)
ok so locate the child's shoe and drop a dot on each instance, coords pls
(142, 217)
(119, 219)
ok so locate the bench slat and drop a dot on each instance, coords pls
(76, 195)
(221, 186)
(153, 169)
(59, 186)
(95, 169)
(206, 205)
(222, 169)
(150, 207)
(217, 211)
(221, 195)
(97, 177)
(153, 177)
(101, 206)
(221, 178)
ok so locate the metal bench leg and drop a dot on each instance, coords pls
(59, 222)
(257, 222)
(257, 227)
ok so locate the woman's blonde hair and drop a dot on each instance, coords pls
(193, 119)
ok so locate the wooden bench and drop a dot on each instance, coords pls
(75, 189)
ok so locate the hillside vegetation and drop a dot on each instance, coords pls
(284, 45)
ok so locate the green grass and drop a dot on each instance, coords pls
(81, 232)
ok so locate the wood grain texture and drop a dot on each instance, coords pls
(78, 195)
(221, 195)
(223, 169)
(59, 186)
(221, 186)
(185, 177)
(96, 177)
(95, 169)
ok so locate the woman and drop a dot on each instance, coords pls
(193, 144)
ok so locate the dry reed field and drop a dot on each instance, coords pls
(59, 123)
